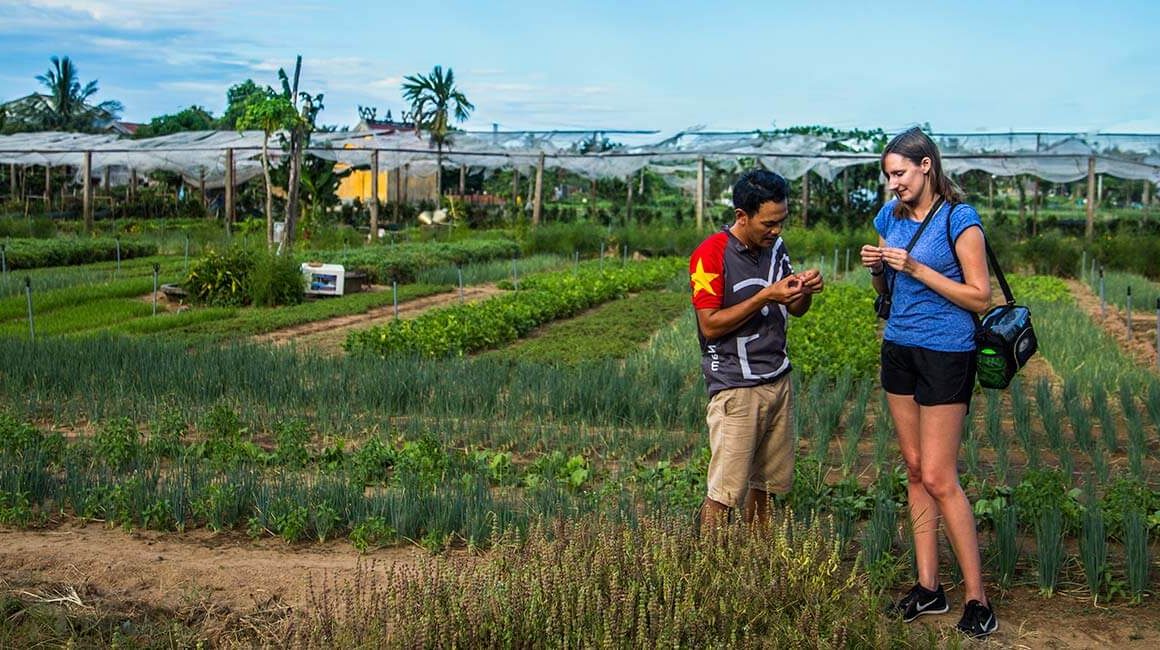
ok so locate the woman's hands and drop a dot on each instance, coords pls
(876, 258)
(872, 259)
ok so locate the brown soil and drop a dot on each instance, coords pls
(163, 303)
(327, 335)
(1028, 620)
(221, 582)
(1140, 344)
(215, 580)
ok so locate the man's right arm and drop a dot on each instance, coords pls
(715, 323)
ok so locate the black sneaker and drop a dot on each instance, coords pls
(919, 601)
(978, 620)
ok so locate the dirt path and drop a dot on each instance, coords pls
(328, 335)
(221, 582)
(215, 579)
(1140, 344)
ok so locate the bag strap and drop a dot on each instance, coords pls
(991, 258)
(918, 233)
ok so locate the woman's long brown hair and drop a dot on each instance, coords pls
(914, 145)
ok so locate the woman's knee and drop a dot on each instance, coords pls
(913, 468)
(941, 486)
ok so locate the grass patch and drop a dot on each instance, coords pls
(251, 321)
(611, 331)
(596, 582)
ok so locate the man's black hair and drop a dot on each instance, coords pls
(758, 186)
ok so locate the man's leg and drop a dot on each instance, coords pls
(757, 507)
(772, 469)
(732, 419)
(714, 515)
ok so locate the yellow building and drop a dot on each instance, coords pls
(358, 184)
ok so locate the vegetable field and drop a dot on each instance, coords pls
(529, 466)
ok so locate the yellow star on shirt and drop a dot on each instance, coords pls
(702, 281)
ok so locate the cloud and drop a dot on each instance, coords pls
(134, 14)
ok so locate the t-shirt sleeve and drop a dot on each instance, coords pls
(962, 218)
(882, 220)
(707, 273)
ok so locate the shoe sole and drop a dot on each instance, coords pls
(946, 608)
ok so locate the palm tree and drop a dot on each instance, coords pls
(434, 99)
(67, 107)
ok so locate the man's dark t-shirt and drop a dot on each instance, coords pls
(724, 272)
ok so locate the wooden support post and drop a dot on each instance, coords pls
(87, 200)
(1034, 207)
(231, 187)
(640, 190)
(515, 185)
(398, 186)
(406, 179)
(133, 183)
(628, 199)
(201, 188)
(106, 173)
(1147, 200)
(374, 195)
(806, 199)
(12, 180)
(539, 191)
(1091, 198)
(47, 188)
(991, 193)
(700, 193)
(1099, 190)
(462, 180)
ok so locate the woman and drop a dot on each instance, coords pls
(928, 360)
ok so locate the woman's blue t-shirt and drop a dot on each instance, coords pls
(919, 316)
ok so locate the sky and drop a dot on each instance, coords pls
(978, 66)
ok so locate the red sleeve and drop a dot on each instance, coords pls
(707, 272)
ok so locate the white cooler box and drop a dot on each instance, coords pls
(324, 279)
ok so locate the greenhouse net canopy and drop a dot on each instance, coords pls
(201, 156)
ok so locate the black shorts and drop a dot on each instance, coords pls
(933, 377)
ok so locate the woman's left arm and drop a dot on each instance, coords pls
(974, 292)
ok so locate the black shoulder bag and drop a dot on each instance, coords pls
(883, 302)
(1004, 338)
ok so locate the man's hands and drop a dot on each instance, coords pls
(793, 287)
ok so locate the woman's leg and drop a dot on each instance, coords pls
(941, 429)
(924, 511)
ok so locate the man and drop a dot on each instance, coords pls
(743, 289)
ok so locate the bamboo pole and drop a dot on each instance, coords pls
(628, 199)
(87, 200)
(47, 188)
(1147, 194)
(12, 180)
(539, 198)
(406, 178)
(201, 188)
(374, 195)
(700, 193)
(231, 189)
(462, 180)
(1089, 230)
(398, 186)
(1034, 207)
(806, 199)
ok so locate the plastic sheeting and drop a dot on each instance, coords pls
(1054, 157)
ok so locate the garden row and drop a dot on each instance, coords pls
(33, 253)
(497, 321)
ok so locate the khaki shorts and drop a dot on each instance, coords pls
(750, 440)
